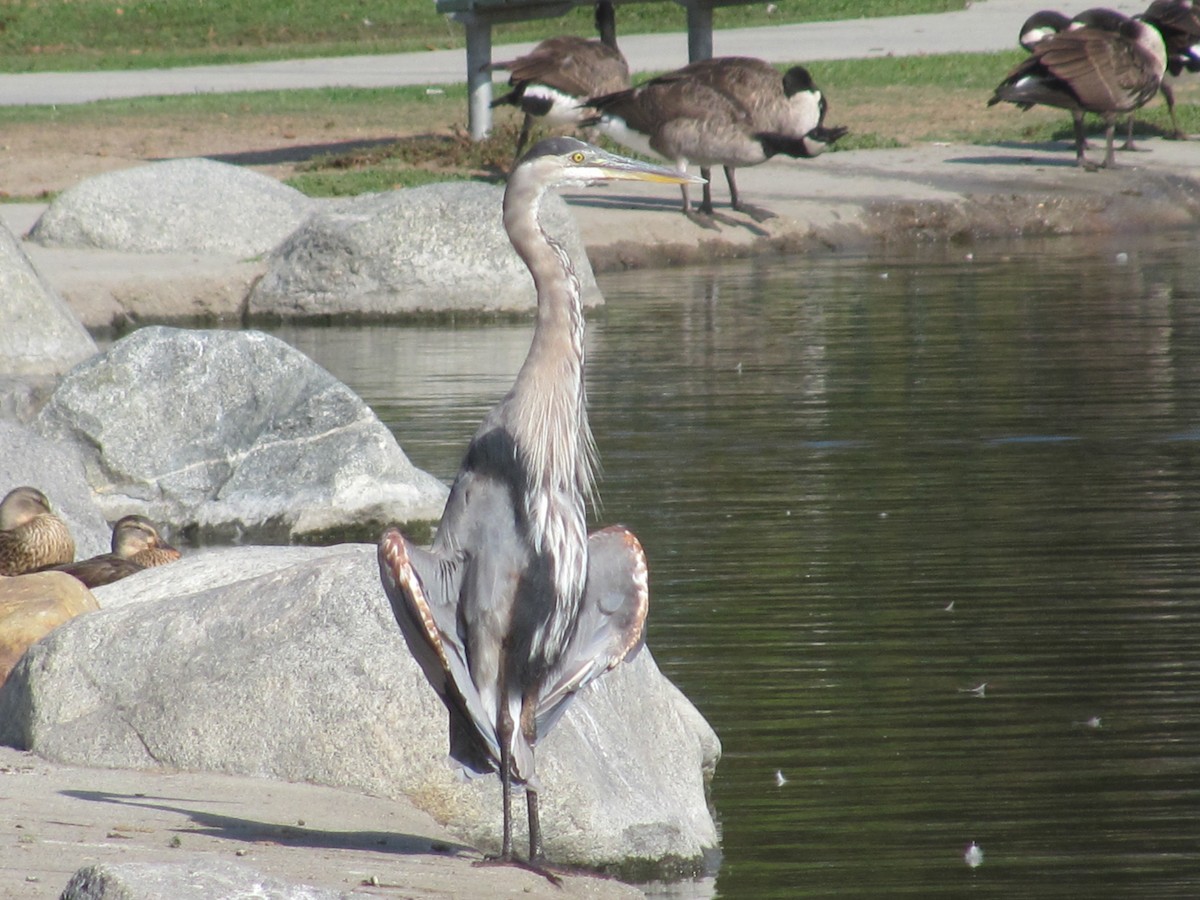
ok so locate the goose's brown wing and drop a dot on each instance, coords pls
(1105, 72)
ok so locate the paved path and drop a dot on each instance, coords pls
(986, 26)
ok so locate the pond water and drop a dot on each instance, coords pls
(924, 533)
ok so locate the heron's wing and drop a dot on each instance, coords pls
(423, 589)
(611, 624)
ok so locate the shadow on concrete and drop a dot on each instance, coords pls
(233, 828)
(293, 154)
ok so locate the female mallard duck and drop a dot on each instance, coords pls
(31, 536)
(136, 545)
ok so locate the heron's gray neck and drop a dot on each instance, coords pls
(548, 411)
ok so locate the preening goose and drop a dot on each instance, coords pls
(1105, 63)
(1042, 25)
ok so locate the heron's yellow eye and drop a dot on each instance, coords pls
(577, 157)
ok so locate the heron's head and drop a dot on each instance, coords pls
(22, 505)
(567, 161)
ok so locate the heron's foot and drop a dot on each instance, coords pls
(537, 867)
(1177, 136)
(1130, 147)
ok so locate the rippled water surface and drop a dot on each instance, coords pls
(923, 534)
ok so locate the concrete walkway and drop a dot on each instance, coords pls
(986, 26)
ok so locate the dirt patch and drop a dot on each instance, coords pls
(39, 159)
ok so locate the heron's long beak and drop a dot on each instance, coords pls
(622, 168)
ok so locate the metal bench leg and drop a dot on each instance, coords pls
(700, 31)
(479, 80)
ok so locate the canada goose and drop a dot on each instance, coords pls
(550, 81)
(727, 111)
(31, 535)
(1178, 21)
(1176, 38)
(136, 545)
(1104, 63)
(1041, 25)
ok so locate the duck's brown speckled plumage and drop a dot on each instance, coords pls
(136, 545)
(31, 535)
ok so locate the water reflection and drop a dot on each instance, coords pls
(869, 486)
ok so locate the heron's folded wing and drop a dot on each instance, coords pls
(612, 620)
(423, 589)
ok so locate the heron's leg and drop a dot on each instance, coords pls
(504, 731)
(537, 853)
(732, 182)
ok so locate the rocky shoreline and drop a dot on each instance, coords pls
(234, 824)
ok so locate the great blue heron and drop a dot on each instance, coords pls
(31, 535)
(1104, 63)
(559, 73)
(515, 607)
(136, 545)
(730, 111)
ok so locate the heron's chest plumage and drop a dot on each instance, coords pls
(554, 448)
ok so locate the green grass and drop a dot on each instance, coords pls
(961, 71)
(336, 101)
(886, 102)
(44, 35)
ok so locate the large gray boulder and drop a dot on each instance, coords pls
(56, 469)
(301, 674)
(198, 879)
(177, 206)
(233, 435)
(41, 336)
(433, 249)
